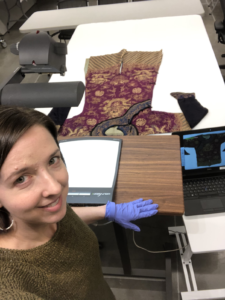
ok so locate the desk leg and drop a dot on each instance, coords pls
(168, 268)
(121, 239)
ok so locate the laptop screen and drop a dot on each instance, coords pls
(202, 151)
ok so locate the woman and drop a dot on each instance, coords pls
(46, 249)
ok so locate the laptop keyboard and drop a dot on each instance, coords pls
(196, 188)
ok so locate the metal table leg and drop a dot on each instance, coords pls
(189, 275)
(121, 239)
(168, 267)
(126, 269)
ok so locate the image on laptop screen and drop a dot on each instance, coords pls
(203, 150)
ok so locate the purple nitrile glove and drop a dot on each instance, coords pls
(125, 212)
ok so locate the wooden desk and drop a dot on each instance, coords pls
(150, 168)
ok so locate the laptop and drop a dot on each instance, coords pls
(203, 169)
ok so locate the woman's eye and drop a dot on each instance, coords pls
(54, 160)
(20, 180)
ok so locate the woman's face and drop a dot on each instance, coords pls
(34, 180)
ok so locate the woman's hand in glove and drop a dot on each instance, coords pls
(125, 212)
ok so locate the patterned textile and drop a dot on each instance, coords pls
(151, 122)
(119, 89)
(207, 148)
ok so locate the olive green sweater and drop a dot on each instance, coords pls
(67, 267)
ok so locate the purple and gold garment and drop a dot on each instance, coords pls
(151, 122)
(119, 89)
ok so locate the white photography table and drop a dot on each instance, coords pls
(188, 65)
(71, 17)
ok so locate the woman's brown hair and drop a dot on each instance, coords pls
(14, 122)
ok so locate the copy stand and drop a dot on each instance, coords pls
(189, 275)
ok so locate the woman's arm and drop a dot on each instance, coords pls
(122, 213)
(90, 214)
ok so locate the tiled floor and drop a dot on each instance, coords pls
(209, 268)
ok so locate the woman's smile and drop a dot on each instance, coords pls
(53, 206)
